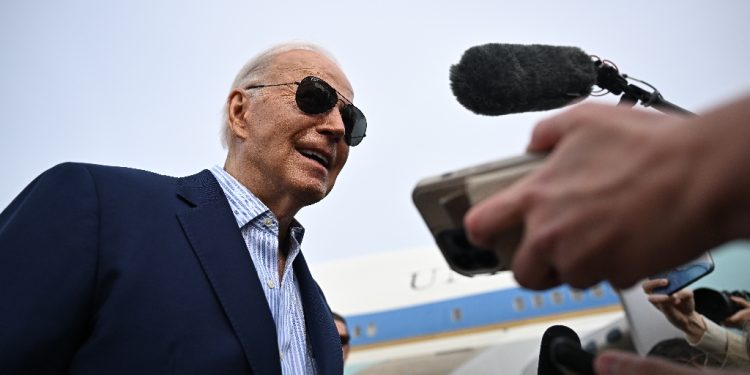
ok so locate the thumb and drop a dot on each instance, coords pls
(497, 213)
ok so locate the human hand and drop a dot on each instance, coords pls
(679, 308)
(620, 363)
(613, 193)
(742, 317)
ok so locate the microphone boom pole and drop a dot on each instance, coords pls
(608, 78)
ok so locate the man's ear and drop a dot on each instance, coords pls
(236, 116)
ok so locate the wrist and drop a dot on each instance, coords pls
(695, 327)
(715, 196)
(721, 153)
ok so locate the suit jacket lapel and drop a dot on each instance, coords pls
(321, 330)
(216, 241)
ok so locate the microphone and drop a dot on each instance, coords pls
(560, 353)
(498, 79)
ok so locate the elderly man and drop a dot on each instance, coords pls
(108, 270)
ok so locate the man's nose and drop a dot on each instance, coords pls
(333, 126)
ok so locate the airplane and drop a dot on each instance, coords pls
(408, 313)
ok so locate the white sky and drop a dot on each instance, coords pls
(142, 83)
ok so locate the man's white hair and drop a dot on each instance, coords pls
(257, 67)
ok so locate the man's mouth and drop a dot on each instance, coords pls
(317, 156)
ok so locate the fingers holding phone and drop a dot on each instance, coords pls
(682, 276)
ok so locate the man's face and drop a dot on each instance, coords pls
(286, 150)
(341, 327)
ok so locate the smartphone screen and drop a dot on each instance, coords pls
(682, 276)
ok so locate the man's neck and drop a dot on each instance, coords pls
(283, 206)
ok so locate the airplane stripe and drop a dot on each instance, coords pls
(472, 312)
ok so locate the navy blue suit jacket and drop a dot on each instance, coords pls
(107, 270)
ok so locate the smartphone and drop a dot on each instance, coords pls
(682, 276)
(443, 200)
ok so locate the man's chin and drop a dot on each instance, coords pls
(312, 194)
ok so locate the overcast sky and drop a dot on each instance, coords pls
(142, 84)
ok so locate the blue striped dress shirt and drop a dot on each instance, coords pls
(260, 229)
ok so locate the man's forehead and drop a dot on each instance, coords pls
(298, 64)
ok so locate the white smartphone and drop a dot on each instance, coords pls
(443, 201)
(682, 276)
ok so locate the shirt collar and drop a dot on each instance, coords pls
(246, 206)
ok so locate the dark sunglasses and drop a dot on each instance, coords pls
(315, 96)
(344, 339)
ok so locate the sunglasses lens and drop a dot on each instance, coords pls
(315, 96)
(344, 339)
(355, 123)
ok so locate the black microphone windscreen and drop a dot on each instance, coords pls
(497, 79)
(552, 335)
(568, 354)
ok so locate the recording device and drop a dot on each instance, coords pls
(717, 305)
(560, 353)
(682, 276)
(443, 201)
(497, 79)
